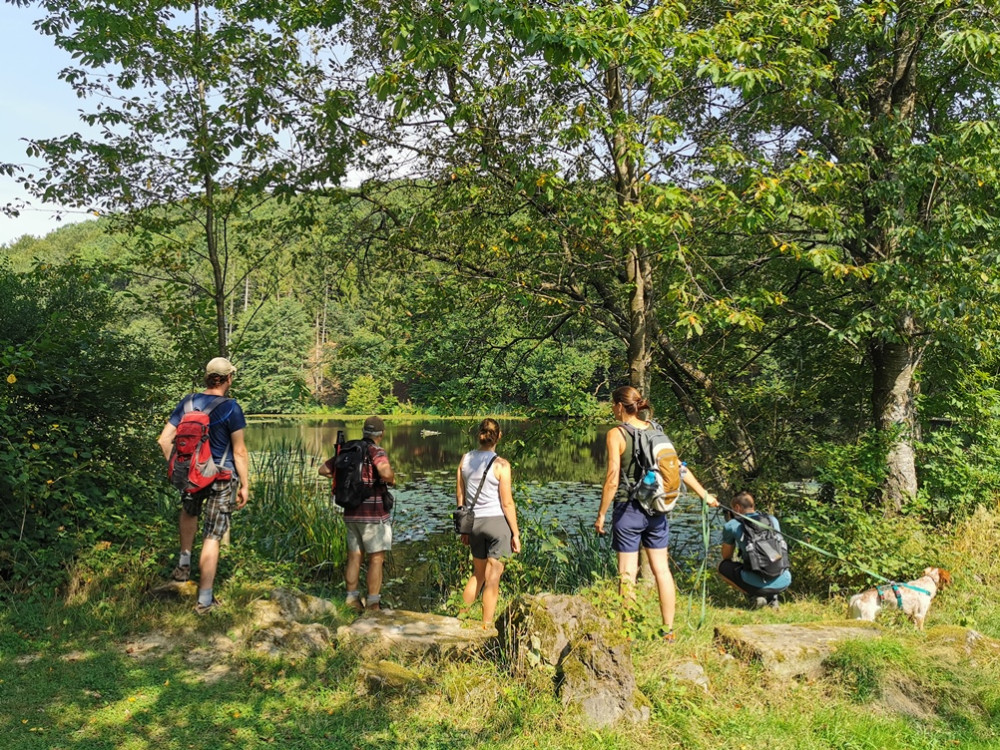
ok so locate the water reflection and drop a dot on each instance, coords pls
(539, 450)
(558, 467)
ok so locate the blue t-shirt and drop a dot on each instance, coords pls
(732, 533)
(224, 420)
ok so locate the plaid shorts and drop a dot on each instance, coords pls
(219, 501)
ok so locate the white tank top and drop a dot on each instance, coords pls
(473, 465)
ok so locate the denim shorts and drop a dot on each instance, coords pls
(632, 527)
(218, 502)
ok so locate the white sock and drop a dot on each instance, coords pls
(353, 595)
(185, 558)
(204, 597)
(373, 599)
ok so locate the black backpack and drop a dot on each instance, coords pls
(349, 488)
(766, 549)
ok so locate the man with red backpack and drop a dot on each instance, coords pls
(207, 460)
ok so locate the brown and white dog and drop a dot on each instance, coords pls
(915, 605)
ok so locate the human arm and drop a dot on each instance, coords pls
(727, 551)
(501, 470)
(460, 485)
(616, 447)
(242, 462)
(166, 439)
(688, 477)
(326, 468)
(385, 471)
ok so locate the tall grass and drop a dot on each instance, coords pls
(291, 517)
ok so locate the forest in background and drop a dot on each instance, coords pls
(776, 218)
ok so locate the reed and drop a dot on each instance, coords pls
(291, 517)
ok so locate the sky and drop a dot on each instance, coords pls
(33, 103)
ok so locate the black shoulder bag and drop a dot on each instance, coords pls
(465, 515)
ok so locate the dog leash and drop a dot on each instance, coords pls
(894, 584)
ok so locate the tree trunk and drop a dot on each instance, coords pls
(211, 222)
(894, 394)
(637, 267)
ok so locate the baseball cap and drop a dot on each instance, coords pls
(219, 366)
(373, 426)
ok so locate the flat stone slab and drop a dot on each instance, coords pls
(791, 650)
(415, 634)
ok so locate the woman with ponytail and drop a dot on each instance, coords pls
(484, 481)
(631, 526)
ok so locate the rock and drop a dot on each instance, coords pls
(590, 660)
(290, 606)
(415, 635)
(301, 607)
(537, 630)
(692, 673)
(175, 590)
(597, 678)
(291, 639)
(389, 677)
(791, 650)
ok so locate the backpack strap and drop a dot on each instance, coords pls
(482, 481)
(208, 412)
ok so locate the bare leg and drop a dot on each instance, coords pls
(352, 570)
(374, 576)
(476, 581)
(628, 566)
(491, 591)
(659, 562)
(208, 564)
(188, 526)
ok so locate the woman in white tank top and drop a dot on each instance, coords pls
(494, 534)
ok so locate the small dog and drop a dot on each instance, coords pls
(915, 605)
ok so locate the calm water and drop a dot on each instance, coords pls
(558, 468)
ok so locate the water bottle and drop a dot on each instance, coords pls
(650, 479)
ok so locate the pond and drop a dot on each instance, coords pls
(558, 468)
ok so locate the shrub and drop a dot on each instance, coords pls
(77, 397)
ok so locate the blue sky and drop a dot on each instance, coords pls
(33, 103)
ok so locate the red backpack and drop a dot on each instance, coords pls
(191, 467)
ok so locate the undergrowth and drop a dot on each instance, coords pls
(68, 677)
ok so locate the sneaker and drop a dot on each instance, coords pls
(181, 573)
(773, 602)
(757, 602)
(204, 609)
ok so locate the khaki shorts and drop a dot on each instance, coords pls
(368, 537)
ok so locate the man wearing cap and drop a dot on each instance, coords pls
(226, 425)
(369, 526)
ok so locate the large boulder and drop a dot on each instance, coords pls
(791, 650)
(589, 659)
(414, 635)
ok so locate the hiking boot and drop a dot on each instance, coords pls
(667, 636)
(181, 573)
(204, 609)
(756, 602)
(355, 603)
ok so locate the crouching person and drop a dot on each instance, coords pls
(763, 571)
